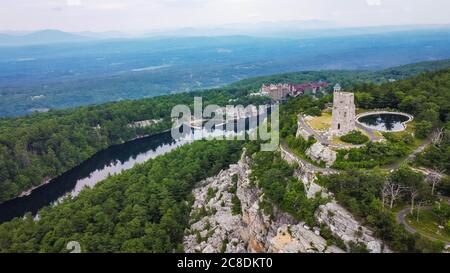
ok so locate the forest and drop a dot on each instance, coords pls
(437, 156)
(426, 96)
(38, 147)
(145, 209)
(41, 146)
(59, 76)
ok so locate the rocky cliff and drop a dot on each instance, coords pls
(320, 153)
(340, 222)
(215, 229)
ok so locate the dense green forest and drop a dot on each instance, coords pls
(437, 156)
(145, 209)
(41, 146)
(349, 79)
(426, 96)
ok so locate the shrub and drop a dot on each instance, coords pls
(355, 137)
(236, 205)
(423, 129)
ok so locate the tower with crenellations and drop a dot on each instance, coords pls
(344, 112)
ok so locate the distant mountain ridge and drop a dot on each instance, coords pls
(103, 90)
(68, 75)
(285, 29)
(41, 37)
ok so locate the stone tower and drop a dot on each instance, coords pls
(344, 112)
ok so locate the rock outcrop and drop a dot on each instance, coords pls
(215, 229)
(343, 225)
(320, 153)
(219, 230)
(340, 222)
(213, 223)
(301, 131)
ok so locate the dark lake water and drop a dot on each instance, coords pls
(385, 122)
(111, 161)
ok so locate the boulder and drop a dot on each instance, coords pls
(320, 153)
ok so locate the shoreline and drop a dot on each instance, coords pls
(49, 180)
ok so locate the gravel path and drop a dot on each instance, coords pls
(307, 164)
(401, 218)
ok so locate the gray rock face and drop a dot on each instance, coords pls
(299, 239)
(341, 222)
(251, 231)
(343, 225)
(217, 230)
(320, 153)
(301, 131)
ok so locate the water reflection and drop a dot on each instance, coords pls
(385, 122)
(111, 161)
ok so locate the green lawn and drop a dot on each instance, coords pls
(337, 141)
(321, 123)
(428, 225)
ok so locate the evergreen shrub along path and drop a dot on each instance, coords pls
(355, 137)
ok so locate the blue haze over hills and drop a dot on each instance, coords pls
(52, 69)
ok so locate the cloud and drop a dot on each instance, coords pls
(184, 3)
(97, 5)
(73, 3)
(143, 15)
(373, 2)
(109, 6)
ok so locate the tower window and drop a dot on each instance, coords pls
(339, 126)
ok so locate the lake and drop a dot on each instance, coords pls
(113, 160)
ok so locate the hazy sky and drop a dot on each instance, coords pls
(144, 15)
